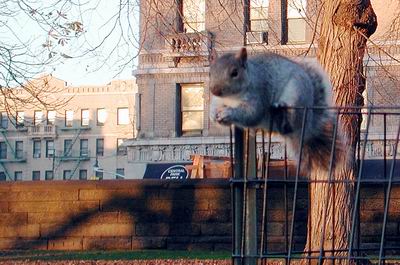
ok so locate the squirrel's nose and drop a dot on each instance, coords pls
(216, 90)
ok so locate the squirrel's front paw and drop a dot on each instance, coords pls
(224, 116)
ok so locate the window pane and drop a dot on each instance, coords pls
(193, 15)
(38, 117)
(296, 8)
(69, 117)
(67, 174)
(35, 175)
(121, 150)
(99, 175)
(20, 118)
(4, 120)
(84, 151)
(3, 176)
(100, 147)
(192, 97)
(49, 148)
(36, 148)
(120, 173)
(296, 30)
(101, 116)
(259, 15)
(51, 117)
(123, 116)
(17, 175)
(67, 147)
(19, 149)
(3, 150)
(83, 174)
(49, 175)
(192, 121)
(85, 117)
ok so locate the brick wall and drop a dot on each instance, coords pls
(137, 214)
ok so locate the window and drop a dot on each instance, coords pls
(35, 175)
(192, 109)
(4, 120)
(83, 174)
(123, 116)
(36, 148)
(19, 149)
(120, 173)
(69, 118)
(37, 117)
(3, 150)
(67, 174)
(85, 117)
(51, 117)
(193, 15)
(49, 175)
(100, 147)
(121, 149)
(3, 176)
(20, 119)
(18, 175)
(296, 21)
(258, 15)
(49, 148)
(84, 147)
(101, 116)
(67, 147)
(99, 175)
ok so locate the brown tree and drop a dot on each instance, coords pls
(345, 27)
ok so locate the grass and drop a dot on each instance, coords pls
(112, 255)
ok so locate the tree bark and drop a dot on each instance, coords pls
(342, 43)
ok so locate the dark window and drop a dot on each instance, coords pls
(120, 173)
(4, 120)
(191, 109)
(3, 176)
(100, 147)
(84, 147)
(67, 147)
(35, 175)
(121, 150)
(49, 148)
(99, 175)
(19, 149)
(67, 174)
(36, 148)
(83, 174)
(3, 150)
(49, 175)
(18, 175)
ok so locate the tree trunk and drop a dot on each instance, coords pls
(345, 26)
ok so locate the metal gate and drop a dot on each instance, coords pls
(271, 197)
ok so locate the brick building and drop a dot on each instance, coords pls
(65, 142)
(172, 75)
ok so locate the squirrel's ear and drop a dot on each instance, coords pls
(213, 56)
(242, 55)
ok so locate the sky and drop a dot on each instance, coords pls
(114, 59)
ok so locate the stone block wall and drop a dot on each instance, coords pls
(148, 214)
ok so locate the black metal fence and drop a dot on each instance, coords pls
(257, 174)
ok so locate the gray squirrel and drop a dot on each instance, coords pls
(270, 91)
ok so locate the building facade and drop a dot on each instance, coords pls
(178, 37)
(82, 138)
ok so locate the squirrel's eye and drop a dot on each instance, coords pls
(234, 73)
